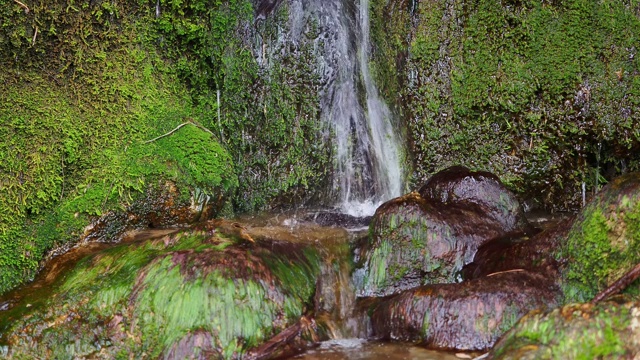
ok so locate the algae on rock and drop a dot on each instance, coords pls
(154, 297)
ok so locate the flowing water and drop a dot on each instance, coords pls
(367, 156)
(367, 152)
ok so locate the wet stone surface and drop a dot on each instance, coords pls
(427, 237)
(609, 330)
(468, 316)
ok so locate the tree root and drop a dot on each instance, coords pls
(269, 348)
(619, 285)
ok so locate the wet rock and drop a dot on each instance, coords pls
(468, 316)
(325, 218)
(202, 293)
(163, 205)
(476, 189)
(534, 253)
(427, 237)
(585, 253)
(607, 330)
(198, 345)
(603, 242)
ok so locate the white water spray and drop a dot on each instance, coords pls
(366, 148)
(368, 169)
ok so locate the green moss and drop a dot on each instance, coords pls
(87, 84)
(82, 95)
(540, 93)
(601, 246)
(572, 332)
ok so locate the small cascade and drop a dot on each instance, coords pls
(367, 151)
(366, 147)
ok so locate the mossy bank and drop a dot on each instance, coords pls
(201, 293)
(87, 85)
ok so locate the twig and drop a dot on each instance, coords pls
(25, 7)
(619, 285)
(169, 133)
(178, 128)
(33, 41)
(506, 271)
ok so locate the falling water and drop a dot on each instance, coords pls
(366, 148)
(367, 152)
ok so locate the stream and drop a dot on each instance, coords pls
(338, 312)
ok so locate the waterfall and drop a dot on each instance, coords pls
(366, 148)
(367, 152)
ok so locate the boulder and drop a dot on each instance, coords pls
(468, 316)
(207, 292)
(607, 330)
(427, 237)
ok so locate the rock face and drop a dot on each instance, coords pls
(498, 87)
(577, 331)
(427, 237)
(203, 293)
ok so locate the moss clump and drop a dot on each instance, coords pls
(604, 241)
(574, 331)
(149, 298)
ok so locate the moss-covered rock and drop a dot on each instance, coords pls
(427, 237)
(543, 94)
(603, 242)
(578, 331)
(86, 86)
(585, 253)
(204, 292)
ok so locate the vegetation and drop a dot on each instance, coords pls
(577, 331)
(603, 243)
(544, 94)
(88, 84)
(148, 299)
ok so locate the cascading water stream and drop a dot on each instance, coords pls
(366, 147)
(367, 151)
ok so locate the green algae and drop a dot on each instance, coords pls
(238, 312)
(144, 298)
(574, 331)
